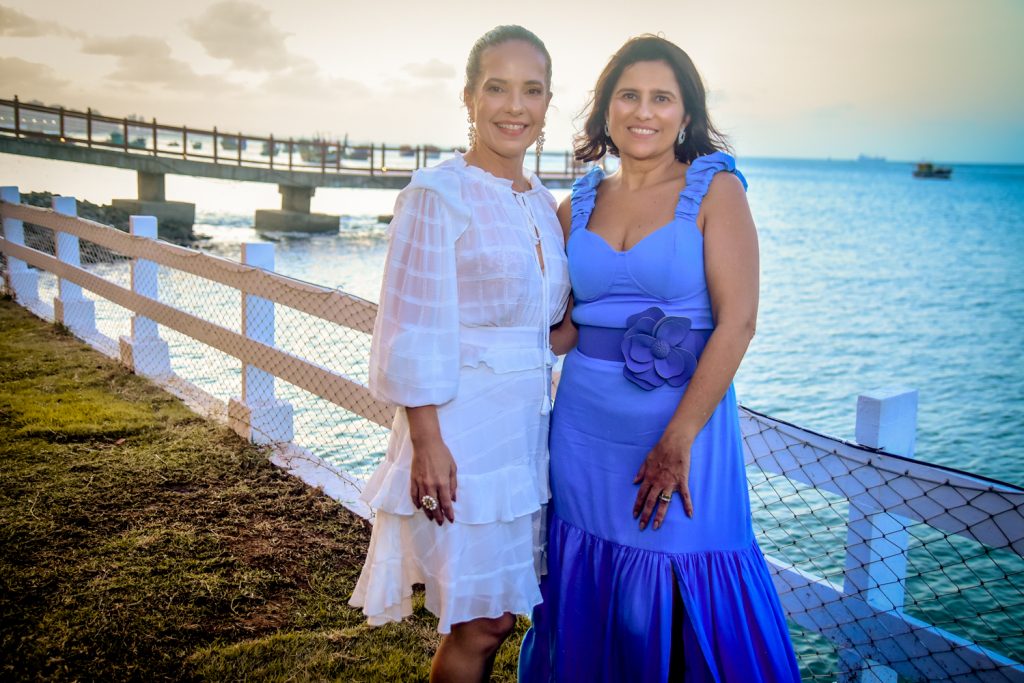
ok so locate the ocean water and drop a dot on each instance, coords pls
(870, 279)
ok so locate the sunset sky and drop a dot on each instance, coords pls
(907, 79)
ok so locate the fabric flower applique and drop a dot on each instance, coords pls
(652, 347)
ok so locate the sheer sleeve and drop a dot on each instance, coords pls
(414, 357)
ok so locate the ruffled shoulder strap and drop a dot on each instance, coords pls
(446, 182)
(698, 179)
(584, 194)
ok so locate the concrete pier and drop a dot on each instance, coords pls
(294, 214)
(152, 201)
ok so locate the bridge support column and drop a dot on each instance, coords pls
(294, 215)
(151, 187)
(295, 198)
(176, 217)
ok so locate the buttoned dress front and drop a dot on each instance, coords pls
(465, 310)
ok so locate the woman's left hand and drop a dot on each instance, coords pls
(666, 470)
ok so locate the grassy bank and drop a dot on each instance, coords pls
(139, 541)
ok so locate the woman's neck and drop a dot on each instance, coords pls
(499, 166)
(637, 174)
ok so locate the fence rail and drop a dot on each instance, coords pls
(886, 566)
(137, 136)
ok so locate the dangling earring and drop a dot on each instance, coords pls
(540, 141)
(606, 133)
(681, 137)
(472, 130)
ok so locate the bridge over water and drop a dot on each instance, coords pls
(298, 166)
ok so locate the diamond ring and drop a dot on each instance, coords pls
(665, 496)
(428, 503)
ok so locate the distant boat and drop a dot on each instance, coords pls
(319, 151)
(926, 169)
(868, 159)
(357, 153)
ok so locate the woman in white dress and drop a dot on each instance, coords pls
(474, 278)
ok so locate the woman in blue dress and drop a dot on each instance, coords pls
(653, 570)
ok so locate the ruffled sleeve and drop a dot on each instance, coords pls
(414, 357)
(698, 179)
(584, 194)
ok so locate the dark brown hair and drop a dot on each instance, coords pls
(701, 136)
(497, 36)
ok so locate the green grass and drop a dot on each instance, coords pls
(139, 541)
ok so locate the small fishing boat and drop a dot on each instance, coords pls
(318, 151)
(357, 153)
(231, 144)
(926, 169)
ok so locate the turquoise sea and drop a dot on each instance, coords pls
(870, 278)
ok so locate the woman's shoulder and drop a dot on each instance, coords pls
(704, 169)
(445, 179)
(444, 182)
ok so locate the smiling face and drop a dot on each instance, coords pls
(646, 111)
(509, 99)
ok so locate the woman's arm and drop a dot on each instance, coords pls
(564, 334)
(414, 354)
(433, 468)
(731, 269)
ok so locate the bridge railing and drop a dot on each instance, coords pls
(132, 135)
(887, 567)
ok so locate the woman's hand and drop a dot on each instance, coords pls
(666, 470)
(433, 474)
(433, 467)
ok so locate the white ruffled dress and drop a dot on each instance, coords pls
(465, 310)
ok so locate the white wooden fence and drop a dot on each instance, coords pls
(863, 540)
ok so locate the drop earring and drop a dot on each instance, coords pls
(540, 141)
(681, 138)
(472, 131)
(606, 133)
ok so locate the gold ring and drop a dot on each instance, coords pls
(429, 503)
(665, 497)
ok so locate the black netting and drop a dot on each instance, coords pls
(883, 560)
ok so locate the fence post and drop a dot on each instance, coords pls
(259, 416)
(69, 306)
(22, 281)
(144, 351)
(876, 541)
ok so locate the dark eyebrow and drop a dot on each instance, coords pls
(656, 92)
(502, 81)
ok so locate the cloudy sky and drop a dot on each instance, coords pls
(908, 79)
